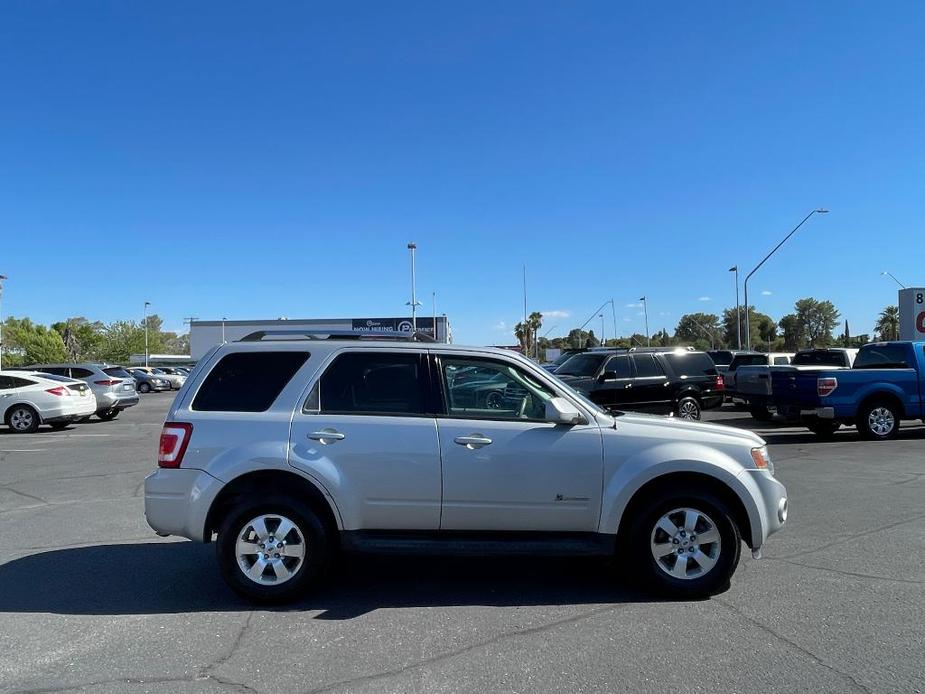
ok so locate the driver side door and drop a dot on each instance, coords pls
(505, 468)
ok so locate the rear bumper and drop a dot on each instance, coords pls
(710, 402)
(109, 400)
(177, 501)
(68, 412)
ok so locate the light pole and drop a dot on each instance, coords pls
(890, 275)
(2, 277)
(434, 319)
(414, 303)
(645, 309)
(147, 303)
(603, 342)
(223, 329)
(748, 335)
(735, 269)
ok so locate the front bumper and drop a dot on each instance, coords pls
(177, 501)
(771, 499)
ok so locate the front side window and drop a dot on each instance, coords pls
(247, 381)
(372, 383)
(582, 365)
(502, 392)
(646, 366)
(620, 366)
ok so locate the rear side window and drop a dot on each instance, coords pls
(748, 360)
(647, 367)
(882, 357)
(117, 371)
(371, 383)
(77, 372)
(689, 364)
(14, 382)
(247, 381)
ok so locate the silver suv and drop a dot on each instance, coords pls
(288, 450)
(113, 386)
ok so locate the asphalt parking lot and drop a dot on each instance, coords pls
(92, 601)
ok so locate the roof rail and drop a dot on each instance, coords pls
(260, 335)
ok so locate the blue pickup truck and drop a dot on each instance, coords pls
(884, 386)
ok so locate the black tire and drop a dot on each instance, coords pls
(689, 408)
(868, 416)
(108, 415)
(316, 552)
(760, 413)
(652, 575)
(144, 387)
(824, 428)
(23, 419)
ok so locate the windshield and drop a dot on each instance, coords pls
(564, 357)
(582, 365)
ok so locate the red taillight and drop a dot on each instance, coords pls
(175, 438)
(110, 382)
(59, 391)
(825, 386)
(720, 382)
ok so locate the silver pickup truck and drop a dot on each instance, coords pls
(753, 383)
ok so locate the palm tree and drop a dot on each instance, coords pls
(888, 323)
(522, 333)
(534, 322)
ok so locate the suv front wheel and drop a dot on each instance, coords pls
(685, 545)
(272, 551)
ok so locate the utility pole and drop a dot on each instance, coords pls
(526, 328)
(434, 334)
(2, 277)
(414, 303)
(223, 330)
(645, 308)
(735, 269)
(147, 303)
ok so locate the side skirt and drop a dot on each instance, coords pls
(483, 543)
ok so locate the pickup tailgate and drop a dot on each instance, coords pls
(795, 387)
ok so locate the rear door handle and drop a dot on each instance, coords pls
(327, 436)
(473, 441)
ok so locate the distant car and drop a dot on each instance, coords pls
(167, 373)
(29, 399)
(660, 380)
(112, 386)
(561, 359)
(148, 382)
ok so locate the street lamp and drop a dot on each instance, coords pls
(601, 316)
(748, 336)
(223, 329)
(147, 303)
(414, 303)
(2, 277)
(735, 269)
(645, 308)
(890, 275)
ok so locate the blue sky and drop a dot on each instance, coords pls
(255, 161)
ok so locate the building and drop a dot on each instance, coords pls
(206, 334)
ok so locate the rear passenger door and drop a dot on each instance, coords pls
(616, 386)
(365, 429)
(650, 386)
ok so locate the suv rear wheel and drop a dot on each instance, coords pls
(272, 551)
(689, 408)
(685, 544)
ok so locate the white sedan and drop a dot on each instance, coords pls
(29, 398)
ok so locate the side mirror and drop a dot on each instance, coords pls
(561, 411)
(607, 376)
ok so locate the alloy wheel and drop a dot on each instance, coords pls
(689, 410)
(685, 543)
(270, 549)
(22, 419)
(881, 421)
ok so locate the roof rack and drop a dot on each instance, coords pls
(260, 335)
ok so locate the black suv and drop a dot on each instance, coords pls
(661, 380)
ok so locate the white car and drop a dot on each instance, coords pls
(171, 375)
(290, 449)
(29, 398)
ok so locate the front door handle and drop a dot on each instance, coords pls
(473, 441)
(327, 436)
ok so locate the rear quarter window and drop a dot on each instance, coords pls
(691, 364)
(247, 381)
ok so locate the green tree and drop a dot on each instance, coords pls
(792, 329)
(82, 339)
(818, 319)
(522, 333)
(26, 343)
(699, 327)
(577, 338)
(763, 327)
(887, 327)
(592, 341)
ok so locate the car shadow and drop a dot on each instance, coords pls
(177, 577)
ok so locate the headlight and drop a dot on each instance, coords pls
(762, 459)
